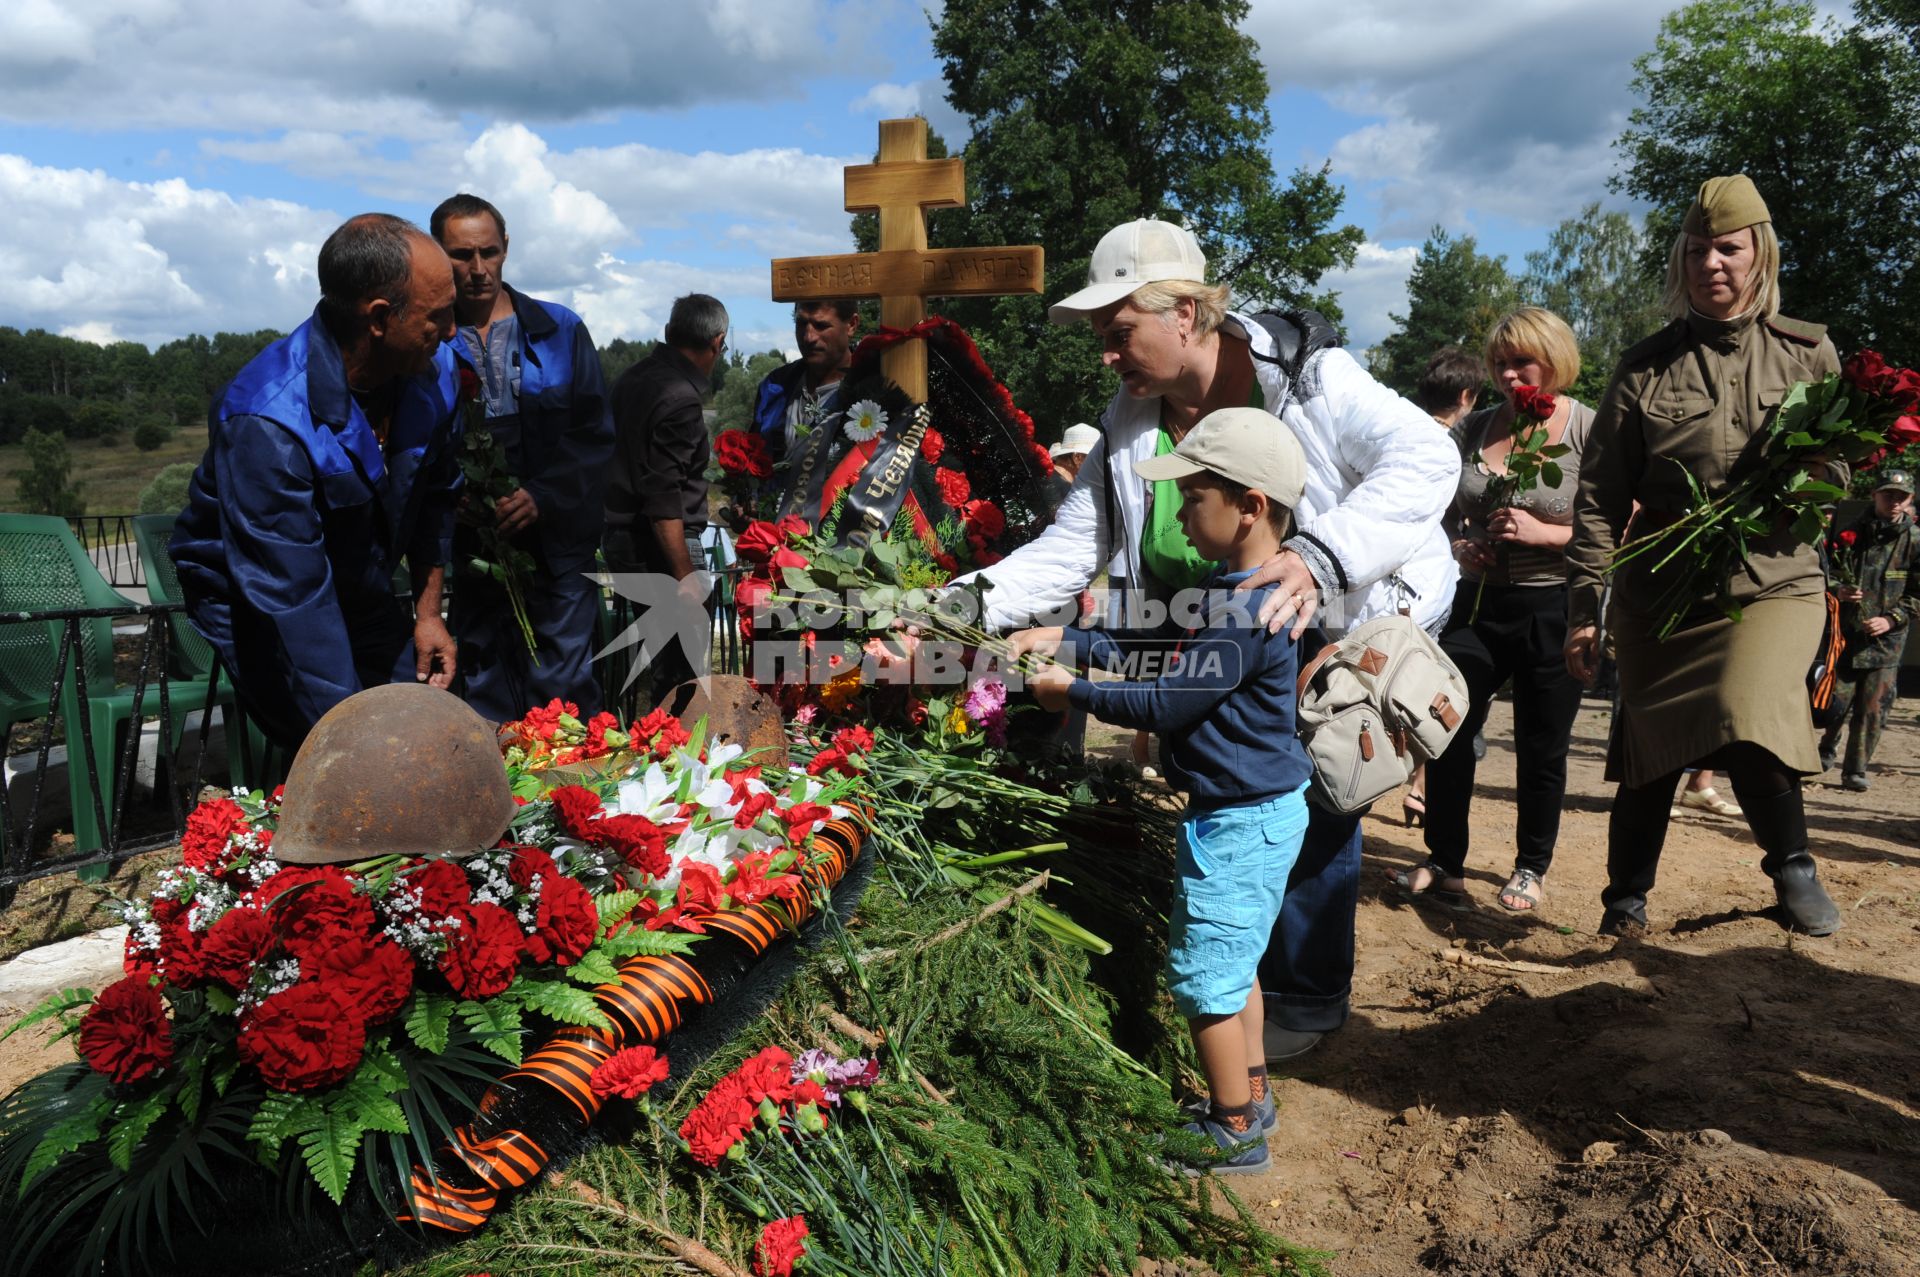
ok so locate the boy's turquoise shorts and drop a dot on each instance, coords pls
(1232, 875)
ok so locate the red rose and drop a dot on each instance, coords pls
(125, 1034)
(374, 976)
(758, 542)
(1905, 430)
(469, 383)
(984, 521)
(567, 923)
(739, 452)
(782, 1243)
(748, 596)
(1849, 537)
(629, 1073)
(1866, 370)
(203, 843)
(233, 945)
(302, 1038)
(528, 866)
(637, 840)
(1532, 402)
(718, 1121)
(485, 953)
(954, 487)
(574, 809)
(442, 886)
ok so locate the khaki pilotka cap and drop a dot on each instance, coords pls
(1725, 205)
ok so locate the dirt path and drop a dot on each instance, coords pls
(1718, 1098)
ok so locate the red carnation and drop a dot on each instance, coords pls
(954, 487)
(782, 1243)
(718, 1121)
(281, 884)
(574, 808)
(700, 887)
(374, 976)
(932, 445)
(233, 945)
(567, 923)
(1042, 457)
(1532, 401)
(663, 731)
(752, 882)
(203, 843)
(801, 817)
(442, 885)
(637, 840)
(984, 522)
(179, 960)
(752, 807)
(853, 740)
(485, 953)
(528, 866)
(320, 914)
(125, 1034)
(629, 1073)
(305, 1037)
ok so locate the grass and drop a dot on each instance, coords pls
(111, 475)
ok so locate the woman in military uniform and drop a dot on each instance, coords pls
(1692, 400)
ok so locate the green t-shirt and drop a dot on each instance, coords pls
(1164, 549)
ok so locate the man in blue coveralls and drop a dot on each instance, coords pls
(329, 458)
(546, 406)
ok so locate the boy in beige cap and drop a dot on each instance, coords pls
(1222, 697)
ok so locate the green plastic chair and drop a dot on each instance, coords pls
(190, 658)
(43, 568)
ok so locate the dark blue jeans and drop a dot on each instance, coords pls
(1307, 972)
(502, 679)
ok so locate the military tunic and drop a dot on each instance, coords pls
(1693, 400)
(1864, 694)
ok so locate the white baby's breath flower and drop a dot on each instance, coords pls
(865, 420)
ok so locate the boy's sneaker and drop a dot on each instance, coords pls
(1264, 1109)
(1241, 1153)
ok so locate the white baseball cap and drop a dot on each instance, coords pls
(1080, 437)
(1128, 256)
(1250, 446)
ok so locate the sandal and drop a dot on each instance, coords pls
(1436, 884)
(1709, 800)
(1414, 807)
(1524, 885)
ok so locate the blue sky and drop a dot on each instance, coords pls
(170, 166)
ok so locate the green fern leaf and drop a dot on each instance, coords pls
(280, 1114)
(131, 1127)
(617, 905)
(429, 1019)
(635, 944)
(496, 1026)
(330, 1145)
(564, 1003)
(55, 1004)
(594, 968)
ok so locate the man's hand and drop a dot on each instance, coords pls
(516, 512)
(1849, 593)
(1582, 651)
(1879, 625)
(1049, 686)
(1039, 642)
(694, 587)
(433, 652)
(1296, 599)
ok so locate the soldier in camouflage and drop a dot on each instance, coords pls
(1874, 616)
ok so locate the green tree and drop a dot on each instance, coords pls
(1825, 118)
(1455, 294)
(167, 493)
(46, 486)
(733, 402)
(618, 355)
(1089, 113)
(1593, 274)
(151, 434)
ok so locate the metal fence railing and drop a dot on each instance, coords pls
(108, 540)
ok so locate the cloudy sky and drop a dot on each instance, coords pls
(171, 166)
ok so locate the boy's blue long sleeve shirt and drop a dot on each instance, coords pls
(1221, 696)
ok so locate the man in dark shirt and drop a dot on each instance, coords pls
(329, 458)
(657, 492)
(546, 408)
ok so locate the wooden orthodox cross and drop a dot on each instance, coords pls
(905, 272)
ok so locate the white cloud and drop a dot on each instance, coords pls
(218, 65)
(1374, 286)
(890, 100)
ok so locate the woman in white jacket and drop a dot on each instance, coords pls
(1368, 537)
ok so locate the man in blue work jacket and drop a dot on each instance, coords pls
(329, 458)
(546, 408)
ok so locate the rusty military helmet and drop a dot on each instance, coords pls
(403, 769)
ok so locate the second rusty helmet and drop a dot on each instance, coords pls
(403, 769)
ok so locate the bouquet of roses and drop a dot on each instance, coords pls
(741, 466)
(1844, 555)
(483, 466)
(1858, 417)
(1529, 463)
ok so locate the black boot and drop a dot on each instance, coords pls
(1796, 886)
(1625, 917)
